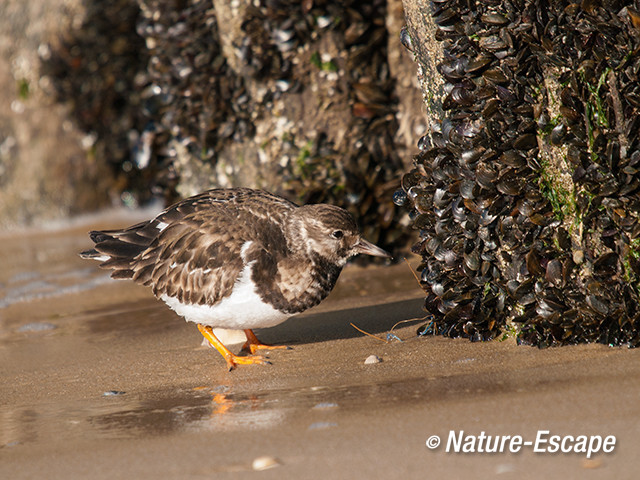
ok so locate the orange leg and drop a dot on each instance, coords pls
(232, 360)
(253, 344)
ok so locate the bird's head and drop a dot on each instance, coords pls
(330, 232)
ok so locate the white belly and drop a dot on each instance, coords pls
(241, 310)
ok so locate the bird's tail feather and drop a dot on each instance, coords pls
(117, 249)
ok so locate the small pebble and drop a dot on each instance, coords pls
(504, 468)
(325, 405)
(465, 360)
(37, 327)
(372, 359)
(592, 463)
(265, 462)
(322, 425)
(113, 393)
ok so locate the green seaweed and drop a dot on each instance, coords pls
(316, 60)
(562, 201)
(23, 89)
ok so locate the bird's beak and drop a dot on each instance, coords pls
(369, 248)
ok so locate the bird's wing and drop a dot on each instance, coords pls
(192, 262)
(197, 257)
(192, 250)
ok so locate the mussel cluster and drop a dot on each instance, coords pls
(199, 100)
(98, 69)
(527, 194)
(301, 91)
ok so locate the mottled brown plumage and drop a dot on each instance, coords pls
(235, 258)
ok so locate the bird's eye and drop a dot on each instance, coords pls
(338, 234)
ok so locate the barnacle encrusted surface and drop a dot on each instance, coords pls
(289, 96)
(294, 97)
(526, 194)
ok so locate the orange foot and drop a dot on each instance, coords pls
(231, 359)
(253, 344)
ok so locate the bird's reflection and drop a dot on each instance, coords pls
(200, 408)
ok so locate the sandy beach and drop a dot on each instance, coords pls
(102, 381)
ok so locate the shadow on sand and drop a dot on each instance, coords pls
(319, 327)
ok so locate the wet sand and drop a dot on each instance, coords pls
(100, 380)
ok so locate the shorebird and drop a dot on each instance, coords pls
(235, 258)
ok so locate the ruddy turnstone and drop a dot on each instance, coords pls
(235, 258)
